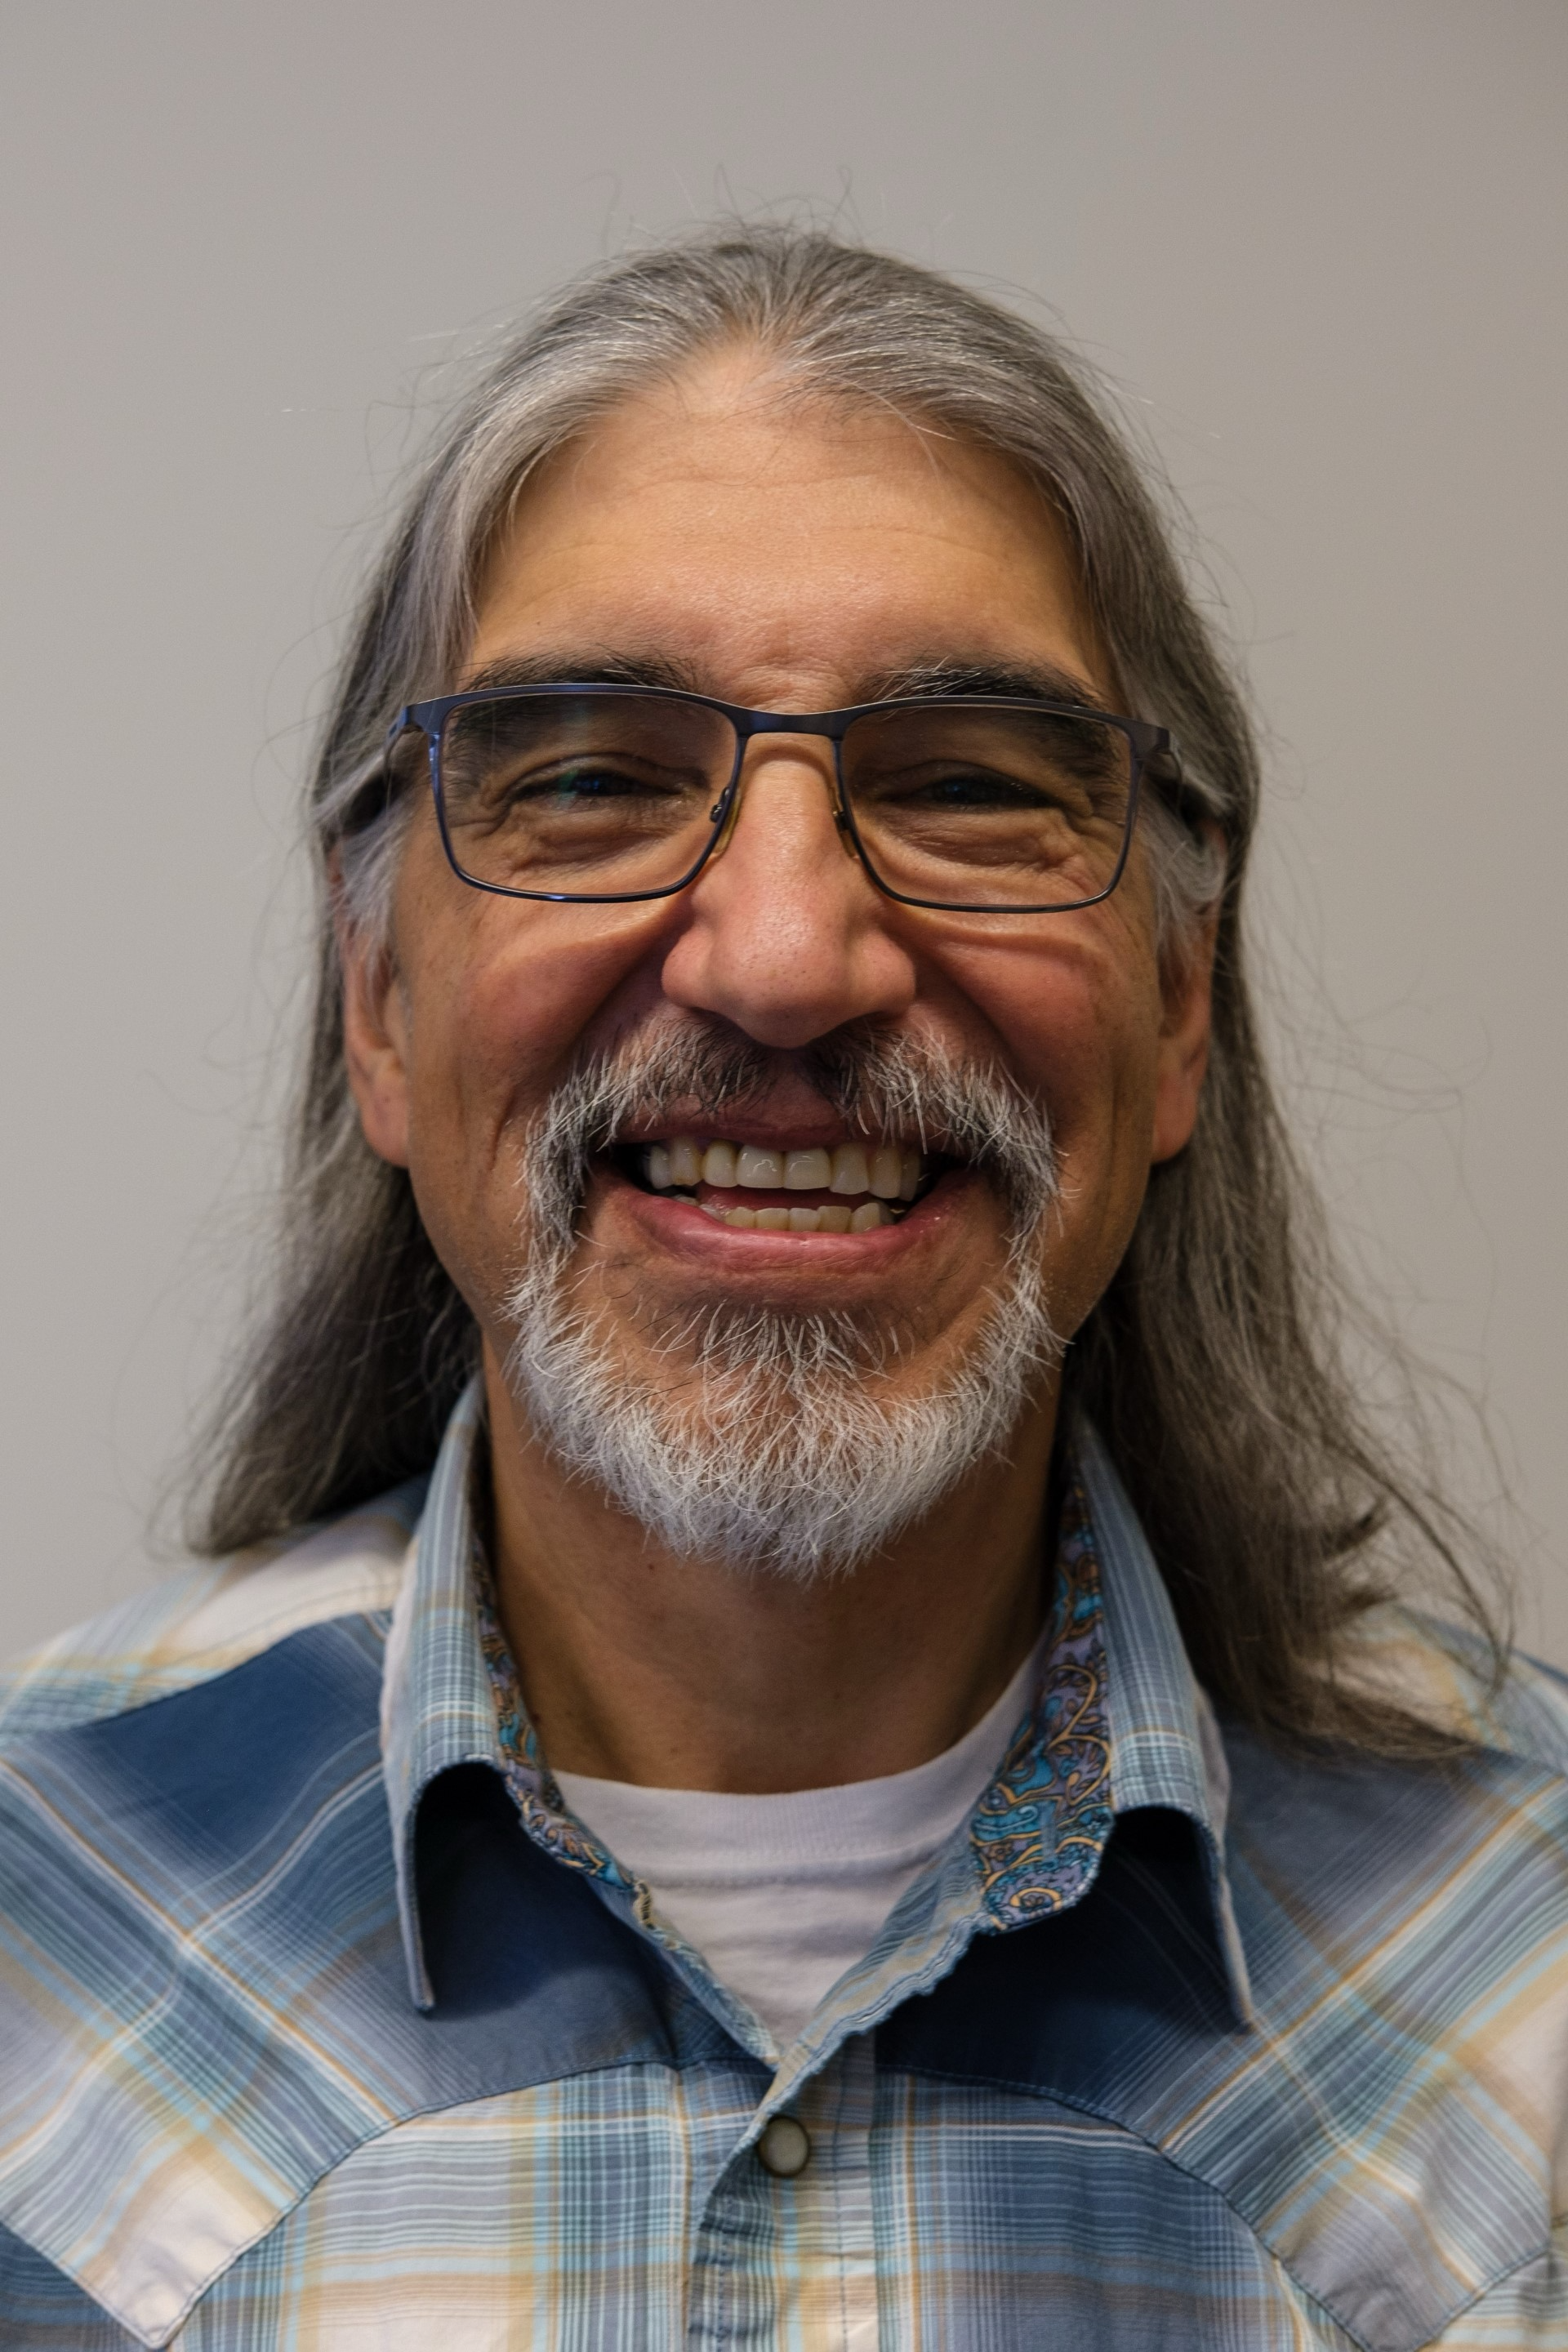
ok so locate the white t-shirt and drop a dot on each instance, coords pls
(781, 1894)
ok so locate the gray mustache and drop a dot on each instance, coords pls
(881, 1081)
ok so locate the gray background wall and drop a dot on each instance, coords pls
(1319, 244)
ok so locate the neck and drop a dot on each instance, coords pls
(640, 1664)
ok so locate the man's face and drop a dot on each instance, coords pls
(786, 558)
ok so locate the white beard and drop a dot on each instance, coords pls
(776, 1443)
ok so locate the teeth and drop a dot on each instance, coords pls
(835, 1220)
(761, 1170)
(719, 1165)
(851, 1173)
(886, 1172)
(832, 1220)
(806, 1172)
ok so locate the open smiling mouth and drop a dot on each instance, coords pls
(851, 1188)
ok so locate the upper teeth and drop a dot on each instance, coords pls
(885, 1171)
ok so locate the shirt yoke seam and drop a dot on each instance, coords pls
(1087, 2106)
(192, 1676)
(368, 2139)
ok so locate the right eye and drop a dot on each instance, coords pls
(576, 784)
(958, 786)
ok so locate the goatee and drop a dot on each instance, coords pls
(779, 1443)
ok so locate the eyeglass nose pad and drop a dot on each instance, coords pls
(846, 831)
(726, 809)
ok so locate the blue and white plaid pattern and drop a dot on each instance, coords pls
(322, 2025)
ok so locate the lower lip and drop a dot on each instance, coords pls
(682, 1226)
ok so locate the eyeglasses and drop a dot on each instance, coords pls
(605, 794)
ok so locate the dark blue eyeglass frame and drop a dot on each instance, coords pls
(1150, 754)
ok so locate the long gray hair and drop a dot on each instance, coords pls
(1215, 1365)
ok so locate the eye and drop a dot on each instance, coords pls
(585, 782)
(577, 790)
(966, 788)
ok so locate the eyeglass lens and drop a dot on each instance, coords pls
(959, 805)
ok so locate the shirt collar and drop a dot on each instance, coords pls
(1153, 1704)
(1119, 1724)
(1165, 1742)
(436, 1709)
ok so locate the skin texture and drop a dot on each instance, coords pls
(787, 558)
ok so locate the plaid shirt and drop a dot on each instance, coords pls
(323, 2025)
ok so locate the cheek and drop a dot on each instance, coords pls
(1079, 1021)
(1079, 1018)
(489, 1027)
(501, 995)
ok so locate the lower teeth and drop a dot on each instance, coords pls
(836, 1220)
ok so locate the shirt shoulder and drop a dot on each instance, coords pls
(1392, 2127)
(1443, 1674)
(210, 1617)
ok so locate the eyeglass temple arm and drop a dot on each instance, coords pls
(1164, 771)
(368, 790)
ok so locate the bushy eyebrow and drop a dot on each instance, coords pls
(988, 681)
(598, 669)
(939, 676)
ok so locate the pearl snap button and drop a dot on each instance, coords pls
(784, 2146)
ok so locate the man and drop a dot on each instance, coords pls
(799, 1735)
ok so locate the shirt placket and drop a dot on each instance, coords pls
(787, 2260)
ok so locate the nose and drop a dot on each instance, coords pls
(784, 935)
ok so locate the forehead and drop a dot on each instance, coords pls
(773, 546)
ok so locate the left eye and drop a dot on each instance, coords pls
(974, 788)
(589, 783)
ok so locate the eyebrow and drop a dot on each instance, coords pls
(599, 669)
(939, 676)
(985, 681)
